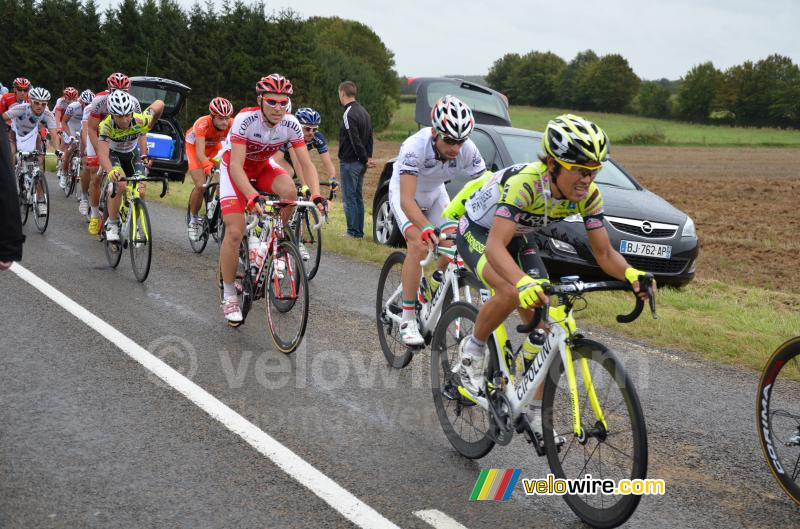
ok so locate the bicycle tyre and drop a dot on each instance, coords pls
(774, 424)
(457, 417)
(310, 238)
(293, 298)
(41, 221)
(23, 198)
(140, 240)
(616, 396)
(397, 354)
(200, 244)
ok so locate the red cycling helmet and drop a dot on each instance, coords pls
(22, 83)
(118, 81)
(220, 106)
(71, 93)
(274, 84)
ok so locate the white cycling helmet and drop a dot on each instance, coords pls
(39, 94)
(120, 103)
(450, 117)
(87, 96)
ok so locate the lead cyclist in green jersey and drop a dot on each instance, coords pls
(516, 201)
(122, 147)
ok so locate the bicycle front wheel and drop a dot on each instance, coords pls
(200, 244)
(778, 416)
(141, 240)
(24, 205)
(465, 424)
(615, 450)
(389, 311)
(287, 297)
(310, 239)
(41, 202)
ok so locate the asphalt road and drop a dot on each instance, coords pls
(90, 438)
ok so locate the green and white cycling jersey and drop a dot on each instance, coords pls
(522, 193)
(125, 140)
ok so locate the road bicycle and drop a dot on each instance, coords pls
(136, 232)
(34, 194)
(210, 214)
(73, 171)
(274, 273)
(778, 416)
(305, 227)
(592, 419)
(458, 284)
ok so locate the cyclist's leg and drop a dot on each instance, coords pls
(285, 164)
(276, 181)
(232, 205)
(445, 224)
(126, 161)
(198, 177)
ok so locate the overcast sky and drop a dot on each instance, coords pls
(658, 38)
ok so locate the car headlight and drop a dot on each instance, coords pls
(562, 246)
(688, 228)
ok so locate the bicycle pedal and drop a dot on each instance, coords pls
(414, 349)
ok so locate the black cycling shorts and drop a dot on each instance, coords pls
(131, 162)
(471, 244)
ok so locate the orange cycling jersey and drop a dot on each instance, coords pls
(204, 128)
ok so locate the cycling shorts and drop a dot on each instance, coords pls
(232, 200)
(431, 203)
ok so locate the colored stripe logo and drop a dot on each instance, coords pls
(495, 484)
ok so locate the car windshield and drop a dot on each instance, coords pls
(526, 149)
(476, 100)
(146, 95)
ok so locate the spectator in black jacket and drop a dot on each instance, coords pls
(355, 156)
(11, 237)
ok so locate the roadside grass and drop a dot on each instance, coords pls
(626, 129)
(731, 324)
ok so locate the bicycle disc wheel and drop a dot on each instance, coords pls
(616, 452)
(310, 238)
(778, 416)
(287, 297)
(41, 198)
(24, 206)
(389, 311)
(141, 240)
(465, 425)
(200, 244)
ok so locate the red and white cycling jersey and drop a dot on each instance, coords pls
(9, 100)
(61, 105)
(260, 139)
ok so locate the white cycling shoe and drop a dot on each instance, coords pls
(232, 311)
(470, 367)
(409, 334)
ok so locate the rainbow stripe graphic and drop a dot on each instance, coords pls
(495, 484)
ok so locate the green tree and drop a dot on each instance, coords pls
(741, 93)
(567, 86)
(609, 84)
(653, 99)
(781, 96)
(697, 92)
(533, 79)
(501, 72)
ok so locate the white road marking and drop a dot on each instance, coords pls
(438, 519)
(296, 467)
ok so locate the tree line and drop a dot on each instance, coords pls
(217, 51)
(762, 93)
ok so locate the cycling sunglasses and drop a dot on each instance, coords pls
(275, 103)
(588, 170)
(451, 141)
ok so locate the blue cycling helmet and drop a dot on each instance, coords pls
(308, 116)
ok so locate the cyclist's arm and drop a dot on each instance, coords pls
(93, 128)
(304, 168)
(500, 235)
(142, 139)
(240, 180)
(103, 155)
(408, 202)
(327, 164)
(200, 149)
(156, 108)
(55, 138)
(65, 124)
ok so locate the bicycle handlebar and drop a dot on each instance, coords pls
(579, 287)
(432, 251)
(284, 203)
(163, 180)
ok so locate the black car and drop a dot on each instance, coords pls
(652, 234)
(173, 164)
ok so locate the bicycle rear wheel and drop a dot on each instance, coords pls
(287, 297)
(310, 238)
(41, 202)
(200, 244)
(778, 416)
(465, 425)
(389, 308)
(141, 240)
(24, 205)
(618, 451)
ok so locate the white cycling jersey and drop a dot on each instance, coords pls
(61, 105)
(23, 120)
(74, 113)
(419, 158)
(260, 139)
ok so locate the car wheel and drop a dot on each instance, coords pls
(384, 227)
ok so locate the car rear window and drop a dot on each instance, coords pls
(147, 95)
(477, 101)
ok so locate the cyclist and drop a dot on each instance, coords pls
(122, 149)
(26, 119)
(69, 96)
(310, 120)
(417, 194)
(247, 168)
(86, 98)
(517, 201)
(98, 111)
(8, 100)
(203, 142)
(70, 126)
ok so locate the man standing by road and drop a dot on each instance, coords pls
(355, 157)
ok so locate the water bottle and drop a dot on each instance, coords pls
(252, 249)
(424, 292)
(210, 208)
(261, 252)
